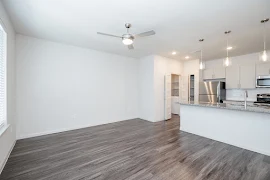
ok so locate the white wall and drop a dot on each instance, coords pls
(163, 66)
(62, 87)
(236, 94)
(151, 78)
(146, 88)
(7, 139)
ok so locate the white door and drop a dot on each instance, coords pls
(263, 69)
(219, 73)
(184, 89)
(208, 74)
(232, 77)
(247, 77)
(180, 89)
(168, 96)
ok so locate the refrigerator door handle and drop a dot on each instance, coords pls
(218, 93)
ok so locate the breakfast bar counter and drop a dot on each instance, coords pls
(231, 106)
(248, 128)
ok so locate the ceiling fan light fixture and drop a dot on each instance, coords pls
(128, 38)
(127, 41)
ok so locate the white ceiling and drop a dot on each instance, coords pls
(179, 24)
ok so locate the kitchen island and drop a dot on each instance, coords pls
(248, 128)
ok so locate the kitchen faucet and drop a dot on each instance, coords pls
(246, 96)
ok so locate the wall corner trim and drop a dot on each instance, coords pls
(6, 159)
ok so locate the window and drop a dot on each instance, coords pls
(3, 48)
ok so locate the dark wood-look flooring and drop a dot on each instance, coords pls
(132, 150)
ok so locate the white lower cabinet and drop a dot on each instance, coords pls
(175, 105)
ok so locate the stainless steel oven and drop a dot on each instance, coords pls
(263, 81)
(263, 100)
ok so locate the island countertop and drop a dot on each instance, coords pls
(231, 106)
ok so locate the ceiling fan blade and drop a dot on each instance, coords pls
(130, 47)
(147, 33)
(105, 34)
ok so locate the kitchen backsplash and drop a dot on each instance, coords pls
(238, 94)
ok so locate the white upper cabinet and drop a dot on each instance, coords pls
(208, 73)
(214, 73)
(263, 69)
(247, 77)
(219, 73)
(240, 77)
(232, 77)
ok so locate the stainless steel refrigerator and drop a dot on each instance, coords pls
(212, 92)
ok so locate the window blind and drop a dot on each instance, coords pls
(3, 47)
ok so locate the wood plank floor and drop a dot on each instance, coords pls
(132, 150)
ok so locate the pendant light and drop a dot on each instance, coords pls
(202, 64)
(264, 55)
(227, 61)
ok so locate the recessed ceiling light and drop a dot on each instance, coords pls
(173, 53)
(229, 47)
(187, 57)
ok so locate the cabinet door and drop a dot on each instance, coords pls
(184, 94)
(167, 97)
(175, 105)
(219, 73)
(180, 89)
(247, 77)
(263, 69)
(232, 77)
(208, 74)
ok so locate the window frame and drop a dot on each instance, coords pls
(2, 27)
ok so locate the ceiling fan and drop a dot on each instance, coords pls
(128, 38)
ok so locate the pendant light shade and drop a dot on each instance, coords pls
(264, 55)
(202, 63)
(227, 61)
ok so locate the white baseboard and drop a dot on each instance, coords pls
(50, 132)
(6, 159)
(62, 130)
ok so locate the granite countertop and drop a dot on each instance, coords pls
(231, 106)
